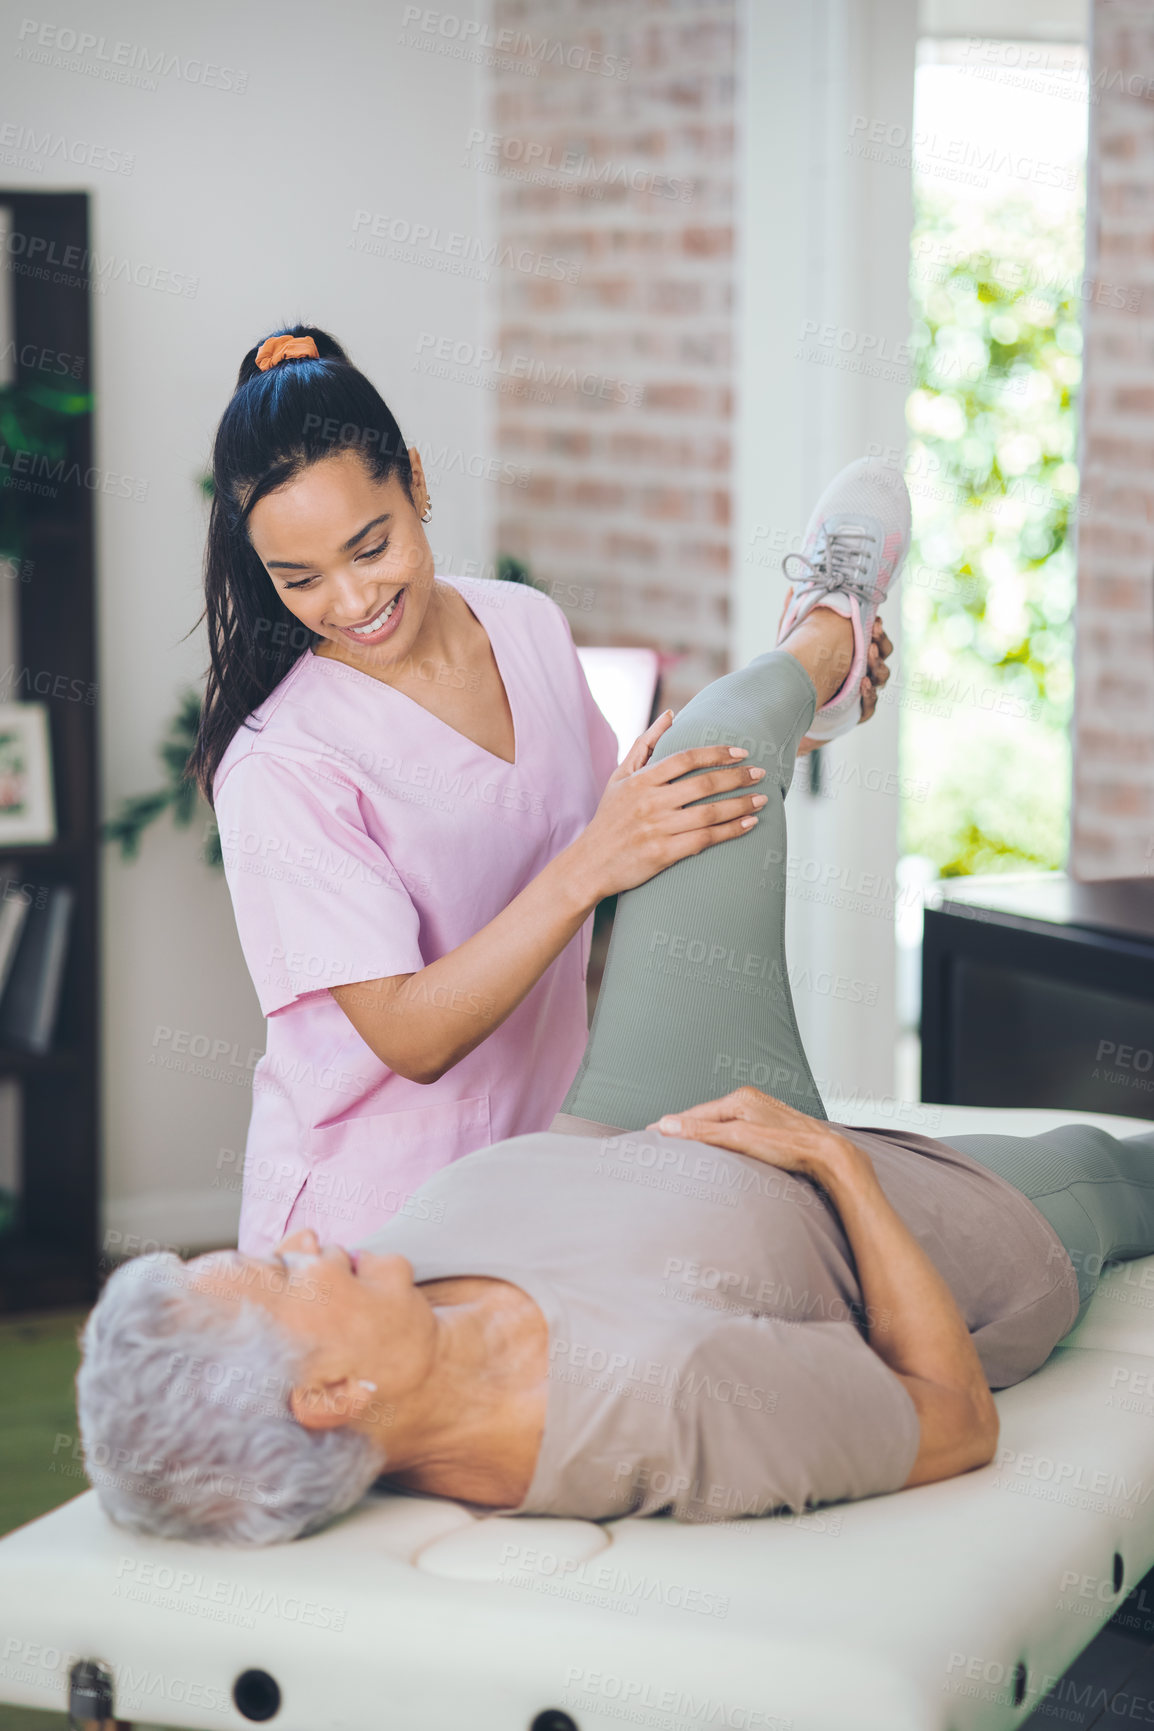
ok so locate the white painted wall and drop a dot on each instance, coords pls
(251, 193)
(825, 243)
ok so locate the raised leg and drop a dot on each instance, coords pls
(695, 997)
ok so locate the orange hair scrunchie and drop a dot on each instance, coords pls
(275, 349)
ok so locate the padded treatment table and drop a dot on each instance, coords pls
(952, 1606)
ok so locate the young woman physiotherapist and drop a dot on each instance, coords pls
(410, 780)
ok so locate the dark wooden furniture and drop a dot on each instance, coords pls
(49, 1257)
(1039, 991)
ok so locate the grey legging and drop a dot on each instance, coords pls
(696, 995)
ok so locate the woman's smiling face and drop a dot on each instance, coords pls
(348, 556)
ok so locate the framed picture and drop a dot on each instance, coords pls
(27, 808)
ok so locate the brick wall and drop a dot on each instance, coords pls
(616, 160)
(1113, 815)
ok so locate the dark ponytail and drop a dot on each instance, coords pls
(277, 423)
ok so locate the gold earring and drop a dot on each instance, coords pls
(428, 511)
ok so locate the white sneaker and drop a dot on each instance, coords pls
(854, 546)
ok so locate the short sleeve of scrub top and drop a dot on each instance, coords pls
(318, 903)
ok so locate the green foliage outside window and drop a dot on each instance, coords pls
(988, 591)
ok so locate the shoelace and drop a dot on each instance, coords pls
(839, 562)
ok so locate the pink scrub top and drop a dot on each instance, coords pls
(364, 837)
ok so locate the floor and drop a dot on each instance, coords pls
(1112, 1683)
(38, 1358)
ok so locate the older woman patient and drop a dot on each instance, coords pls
(672, 1300)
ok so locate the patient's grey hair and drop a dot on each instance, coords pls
(184, 1416)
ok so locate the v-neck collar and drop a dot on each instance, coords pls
(381, 684)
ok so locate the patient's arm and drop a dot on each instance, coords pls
(912, 1320)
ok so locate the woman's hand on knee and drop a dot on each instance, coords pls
(641, 750)
(650, 817)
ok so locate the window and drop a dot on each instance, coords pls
(997, 280)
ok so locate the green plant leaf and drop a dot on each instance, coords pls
(179, 796)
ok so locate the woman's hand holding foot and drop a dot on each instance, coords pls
(822, 622)
(877, 673)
